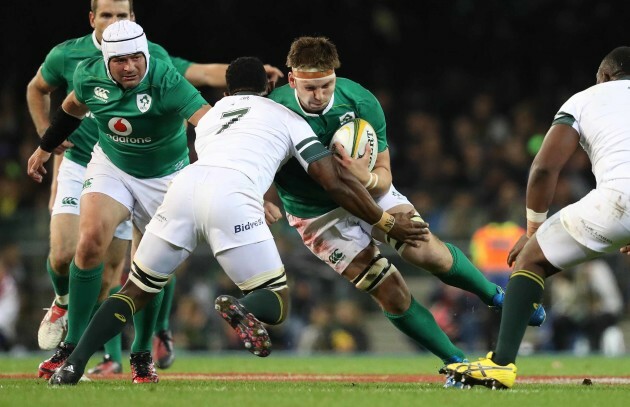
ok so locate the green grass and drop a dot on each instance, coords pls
(189, 393)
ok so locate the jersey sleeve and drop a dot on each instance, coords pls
(569, 113)
(53, 67)
(305, 146)
(181, 65)
(370, 109)
(180, 95)
(77, 81)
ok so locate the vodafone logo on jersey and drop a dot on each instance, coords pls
(120, 126)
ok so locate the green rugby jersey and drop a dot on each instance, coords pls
(58, 69)
(300, 195)
(140, 129)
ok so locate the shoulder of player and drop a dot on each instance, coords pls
(158, 51)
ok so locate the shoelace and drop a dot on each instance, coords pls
(60, 354)
(142, 367)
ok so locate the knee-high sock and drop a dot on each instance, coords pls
(113, 347)
(60, 283)
(418, 323)
(108, 321)
(523, 295)
(463, 274)
(85, 286)
(264, 304)
(164, 316)
(144, 323)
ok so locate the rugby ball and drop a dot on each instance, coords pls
(354, 136)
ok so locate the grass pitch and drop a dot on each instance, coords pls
(291, 380)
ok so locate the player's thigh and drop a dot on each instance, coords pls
(100, 216)
(251, 265)
(335, 237)
(159, 256)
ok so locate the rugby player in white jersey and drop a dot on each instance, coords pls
(240, 143)
(598, 120)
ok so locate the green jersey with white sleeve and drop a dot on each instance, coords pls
(301, 196)
(140, 129)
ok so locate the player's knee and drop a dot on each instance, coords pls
(393, 295)
(60, 260)
(146, 279)
(376, 272)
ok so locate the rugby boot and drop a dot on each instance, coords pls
(52, 330)
(50, 366)
(142, 368)
(67, 374)
(163, 351)
(482, 372)
(249, 329)
(106, 366)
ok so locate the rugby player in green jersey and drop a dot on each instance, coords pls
(218, 200)
(344, 242)
(56, 73)
(138, 104)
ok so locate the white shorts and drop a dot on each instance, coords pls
(141, 196)
(68, 199)
(338, 236)
(598, 223)
(219, 205)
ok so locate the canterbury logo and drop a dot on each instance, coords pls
(87, 183)
(100, 93)
(70, 201)
(121, 318)
(336, 256)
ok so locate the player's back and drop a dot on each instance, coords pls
(601, 112)
(253, 135)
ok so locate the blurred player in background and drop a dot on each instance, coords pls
(598, 120)
(240, 143)
(139, 104)
(341, 240)
(67, 181)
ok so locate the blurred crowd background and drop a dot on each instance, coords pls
(469, 89)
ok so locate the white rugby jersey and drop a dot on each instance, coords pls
(601, 115)
(255, 136)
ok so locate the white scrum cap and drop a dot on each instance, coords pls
(124, 37)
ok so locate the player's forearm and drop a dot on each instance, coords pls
(39, 108)
(352, 196)
(540, 190)
(379, 182)
(207, 75)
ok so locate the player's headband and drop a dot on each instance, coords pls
(308, 73)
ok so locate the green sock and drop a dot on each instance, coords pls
(167, 303)
(266, 305)
(463, 274)
(523, 295)
(144, 323)
(113, 347)
(60, 283)
(110, 320)
(418, 323)
(85, 286)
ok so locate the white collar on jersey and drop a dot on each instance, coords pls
(96, 44)
(331, 102)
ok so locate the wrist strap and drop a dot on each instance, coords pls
(386, 223)
(61, 126)
(538, 217)
(372, 182)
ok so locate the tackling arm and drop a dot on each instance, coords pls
(345, 189)
(558, 146)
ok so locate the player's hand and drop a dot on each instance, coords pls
(409, 231)
(272, 213)
(357, 166)
(625, 249)
(518, 247)
(273, 75)
(35, 167)
(61, 148)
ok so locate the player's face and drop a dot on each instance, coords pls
(128, 70)
(313, 94)
(108, 12)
